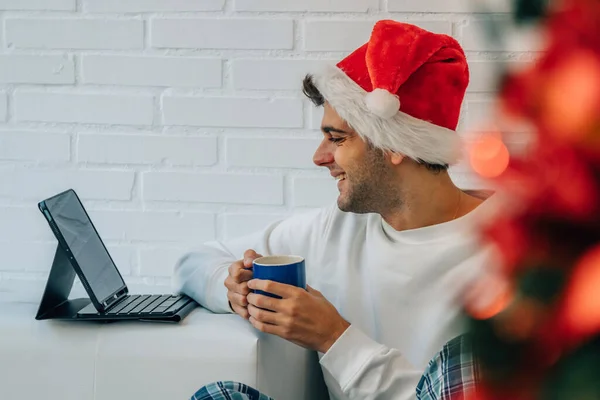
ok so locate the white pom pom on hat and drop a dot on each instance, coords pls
(382, 103)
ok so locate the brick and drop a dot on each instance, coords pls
(349, 35)
(35, 146)
(232, 112)
(449, 6)
(36, 69)
(237, 225)
(473, 38)
(151, 71)
(128, 6)
(146, 149)
(89, 184)
(24, 224)
(3, 106)
(273, 74)
(306, 5)
(124, 257)
(275, 153)
(485, 75)
(479, 112)
(316, 117)
(24, 256)
(71, 33)
(22, 289)
(314, 192)
(43, 5)
(160, 261)
(84, 108)
(213, 188)
(37, 257)
(153, 226)
(253, 34)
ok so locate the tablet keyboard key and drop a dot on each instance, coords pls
(144, 303)
(178, 304)
(122, 304)
(154, 304)
(133, 304)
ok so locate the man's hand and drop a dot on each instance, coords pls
(303, 317)
(237, 283)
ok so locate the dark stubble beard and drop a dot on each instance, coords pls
(369, 187)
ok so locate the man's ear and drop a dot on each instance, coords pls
(396, 158)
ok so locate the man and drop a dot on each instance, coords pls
(388, 262)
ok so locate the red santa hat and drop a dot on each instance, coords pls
(402, 90)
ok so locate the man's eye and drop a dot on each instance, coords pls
(336, 140)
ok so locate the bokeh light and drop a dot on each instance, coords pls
(582, 298)
(489, 156)
(572, 97)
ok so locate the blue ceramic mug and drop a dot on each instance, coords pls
(283, 269)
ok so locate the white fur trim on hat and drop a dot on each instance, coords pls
(400, 132)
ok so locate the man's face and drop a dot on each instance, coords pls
(362, 172)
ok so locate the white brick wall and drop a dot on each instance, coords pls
(3, 106)
(43, 5)
(180, 121)
(306, 5)
(270, 152)
(135, 6)
(233, 188)
(48, 146)
(119, 109)
(261, 74)
(37, 69)
(158, 71)
(219, 112)
(222, 33)
(75, 33)
(146, 149)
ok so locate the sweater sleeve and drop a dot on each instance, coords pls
(367, 370)
(201, 273)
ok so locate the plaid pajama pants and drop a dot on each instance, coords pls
(228, 390)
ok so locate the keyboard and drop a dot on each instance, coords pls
(145, 304)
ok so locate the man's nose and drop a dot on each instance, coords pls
(324, 154)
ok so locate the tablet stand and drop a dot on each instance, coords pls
(55, 302)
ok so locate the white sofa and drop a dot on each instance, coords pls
(64, 360)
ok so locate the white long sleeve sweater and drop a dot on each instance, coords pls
(399, 290)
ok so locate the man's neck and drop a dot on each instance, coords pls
(432, 199)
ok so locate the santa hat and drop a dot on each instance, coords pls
(402, 90)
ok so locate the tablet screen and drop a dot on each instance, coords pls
(85, 245)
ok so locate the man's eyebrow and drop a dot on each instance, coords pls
(330, 129)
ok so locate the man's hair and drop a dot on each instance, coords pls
(310, 90)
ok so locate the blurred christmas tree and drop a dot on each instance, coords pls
(538, 335)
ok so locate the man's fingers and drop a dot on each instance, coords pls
(265, 316)
(264, 327)
(237, 299)
(279, 289)
(241, 311)
(241, 275)
(249, 256)
(233, 286)
(266, 302)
